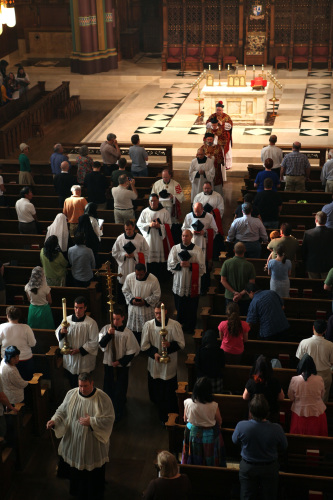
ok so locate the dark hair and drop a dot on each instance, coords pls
(158, 305)
(259, 407)
(286, 229)
(140, 267)
(280, 252)
(111, 137)
(297, 145)
(118, 310)
(321, 217)
(306, 367)
(208, 182)
(129, 222)
(81, 300)
(91, 210)
(320, 326)
(79, 239)
(234, 322)
(135, 139)
(262, 370)
(153, 195)
(251, 287)
(239, 248)
(18, 72)
(51, 247)
(202, 391)
(13, 313)
(268, 183)
(269, 163)
(248, 198)
(24, 191)
(10, 352)
(84, 376)
(273, 139)
(122, 162)
(97, 164)
(90, 237)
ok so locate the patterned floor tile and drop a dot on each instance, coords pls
(315, 119)
(197, 129)
(188, 73)
(317, 95)
(168, 105)
(317, 107)
(158, 117)
(320, 74)
(257, 131)
(314, 132)
(172, 95)
(148, 130)
(319, 86)
(181, 86)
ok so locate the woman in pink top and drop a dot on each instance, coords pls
(234, 333)
(306, 391)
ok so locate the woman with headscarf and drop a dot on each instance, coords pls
(91, 239)
(209, 360)
(84, 164)
(53, 262)
(59, 228)
(306, 391)
(203, 442)
(13, 383)
(91, 210)
(39, 295)
(261, 381)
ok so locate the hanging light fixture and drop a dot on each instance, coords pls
(7, 15)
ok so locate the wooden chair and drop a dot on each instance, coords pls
(300, 55)
(229, 60)
(211, 54)
(281, 60)
(321, 55)
(173, 55)
(193, 58)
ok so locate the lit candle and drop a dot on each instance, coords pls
(163, 316)
(254, 68)
(262, 67)
(219, 67)
(209, 67)
(245, 67)
(64, 311)
(228, 67)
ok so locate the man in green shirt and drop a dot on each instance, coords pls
(235, 274)
(25, 176)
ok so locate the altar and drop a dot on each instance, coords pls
(242, 104)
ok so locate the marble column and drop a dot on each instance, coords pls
(93, 36)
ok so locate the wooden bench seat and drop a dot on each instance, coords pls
(110, 229)
(31, 258)
(259, 265)
(24, 308)
(312, 185)
(309, 196)
(254, 169)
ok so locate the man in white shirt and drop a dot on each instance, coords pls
(111, 153)
(82, 336)
(249, 230)
(123, 197)
(26, 212)
(162, 377)
(170, 194)
(273, 152)
(326, 175)
(321, 351)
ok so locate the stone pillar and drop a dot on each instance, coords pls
(93, 36)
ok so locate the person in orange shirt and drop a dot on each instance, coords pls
(74, 208)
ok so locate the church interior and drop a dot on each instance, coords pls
(152, 67)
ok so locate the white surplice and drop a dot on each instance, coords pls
(125, 344)
(154, 236)
(125, 265)
(173, 188)
(208, 175)
(214, 199)
(182, 276)
(209, 223)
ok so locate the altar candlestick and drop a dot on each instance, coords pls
(245, 67)
(219, 67)
(228, 67)
(163, 316)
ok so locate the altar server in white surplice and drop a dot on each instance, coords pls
(202, 169)
(84, 421)
(186, 261)
(155, 225)
(116, 369)
(82, 336)
(170, 194)
(204, 229)
(124, 252)
(209, 197)
(142, 291)
(162, 377)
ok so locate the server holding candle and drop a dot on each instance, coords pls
(162, 376)
(81, 333)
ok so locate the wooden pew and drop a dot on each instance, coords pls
(254, 169)
(110, 229)
(309, 196)
(49, 214)
(293, 307)
(49, 362)
(24, 308)
(220, 483)
(21, 436)
(29, 258)
(312, 185)
(16, 106)
(24, 241)
(7, 464)
(40, 403)
(91, 293)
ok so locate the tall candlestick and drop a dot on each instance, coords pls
(245, 67)
(219, 67)
(209, 67)
(64, 310)
(228, 67)
(163, 316)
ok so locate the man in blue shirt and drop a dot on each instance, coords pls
(266, 308)
(267, 174)
(260, 441)
(328, 210)
(57, 158)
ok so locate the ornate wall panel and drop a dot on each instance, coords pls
(175, 22)
(230, 17)
(302, 21)
(194, 22)
(321, 21)
(283, 21)
(212, 21)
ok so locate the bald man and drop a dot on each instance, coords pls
(170, 194)
(186, 262)
(296, 167)
(63, 182)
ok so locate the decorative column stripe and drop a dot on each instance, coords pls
(94, 55)
(108, 17)
(87, 21)
(74, 5)
(101, 28)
